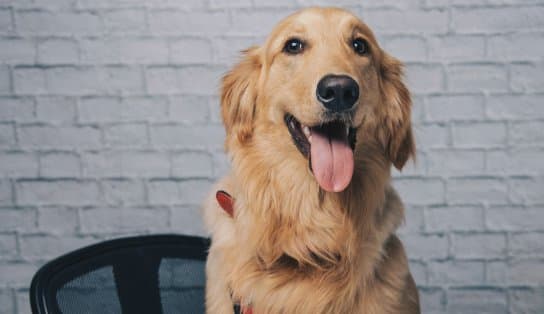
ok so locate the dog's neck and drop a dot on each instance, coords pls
(288, 220)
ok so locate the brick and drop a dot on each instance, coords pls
(511, 47)
(113, 109)
(59, 137)
(479, 246)
(18, 165)
(127, 164)
(190, 51)
(407, 21)
(424, 79)
(126, 135)
(29, 81)
(527, 77)
(60, 165)
(17, 51)
(16, 275)
(172, 22)
(526, 244)
(221, 4)
(7, 301)
(528, 272)
(55, 109)
(228, 49)
(454, 218)
(125, 51)
(189, 109)
(477, 191)
(413, 222)
(162, 80)
(16, 109)
(477, 78)
(23, 220)
(7, 135)
(418, 270)
(468, 301)
(196, 80)
(58, 23)
(123, 220)
(457, 48)
(420, 192)
(497, 20)
(527, 190)
(427, 247)
(455, 108)
(407, 48)
(526, 301)
(44, 247)
(102, 164)
(432, 300)
(92, 81)
(145, 164)
(62, 192)
(187, 137)
(455, 162)
(58, 51)
(191, 192)
(518, 162)
(479, 135)
(57, 220)
(515, 107)
(244, 21)
(6, 197)
(221, 164)
(5, 80)
(526, 133)
(22, 298)
(515, 219)
(187, 220)
(456, 273)
(125, 21)
(100, 51)
(6, 21)
(8, 247)
(118, 192)
(192, 165)
(432, 136)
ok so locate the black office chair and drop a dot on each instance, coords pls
(159, 274)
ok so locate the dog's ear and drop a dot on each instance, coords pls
(398, 139)
(238, 96)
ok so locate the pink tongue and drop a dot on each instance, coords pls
(332, 161)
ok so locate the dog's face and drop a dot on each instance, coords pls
(322, 80)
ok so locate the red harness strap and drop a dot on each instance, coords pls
(227, 203)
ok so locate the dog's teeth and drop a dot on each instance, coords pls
(306, 131)
(347, 130)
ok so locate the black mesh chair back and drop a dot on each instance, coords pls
(162, 274)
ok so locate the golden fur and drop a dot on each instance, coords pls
(292, 247)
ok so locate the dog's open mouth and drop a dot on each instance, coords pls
(329, 148)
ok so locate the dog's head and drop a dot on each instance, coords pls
(321, 79)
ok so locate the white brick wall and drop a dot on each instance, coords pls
(109, 126)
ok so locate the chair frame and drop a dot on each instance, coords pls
(43, 287)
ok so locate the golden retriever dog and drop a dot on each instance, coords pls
(314, 118)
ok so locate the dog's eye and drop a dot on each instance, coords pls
(360, 46)
(293, 46)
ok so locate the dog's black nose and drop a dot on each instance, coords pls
(337, 92)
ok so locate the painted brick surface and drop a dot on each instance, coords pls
(110, 126)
